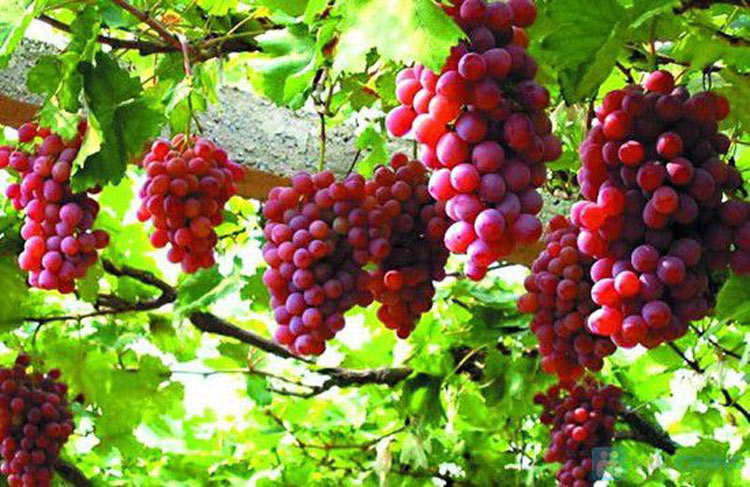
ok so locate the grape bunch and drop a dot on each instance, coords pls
(482, 128)
(59, 243)
(660, 212)
(35, 423)
(321, 233)
(189, 182)
(559, 297)
(403, 282)
(581, 417)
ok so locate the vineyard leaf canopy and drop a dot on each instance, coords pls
(402, 30)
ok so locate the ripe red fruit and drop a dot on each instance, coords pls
(60, 245)
(660, 82)
(186, 189)
(38, 423)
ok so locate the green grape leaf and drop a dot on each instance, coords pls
(255, 291)
(169, 339)
(406, 31)
(257, 388)
(185, 102)
(205, 287)
(582, 39)
(285, 70)
(14, 21)
(733, 300)
(737, 90)
(313, 9)
(376, 143)
(290, 7)
(709, 460)
(14, 305)
(420, 397)
(45, 76)
(117, 199)
(218, 7)
(195, 286)
(121, 122)
(414, 451)
(581, 81)
(88, 287)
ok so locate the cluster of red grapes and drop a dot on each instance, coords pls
(559, 296)
(320, 232)
(60, 246)
(403, 282)
(582, 417)
(659, 211)
(35, 423)
(482, 127)
(189, 182)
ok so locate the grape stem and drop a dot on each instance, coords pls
(626, 71)
(354, 161)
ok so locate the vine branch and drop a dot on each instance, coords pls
(645, 432)
(72, 475)
(705, 4)
(209, 48)
(151, 22)
(113, 305)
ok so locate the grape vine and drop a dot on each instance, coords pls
(60, 246)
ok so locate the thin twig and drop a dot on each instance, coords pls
(116, 306)
(693, 364)
(167, 36)
(354, 161)
(626, 71)
(729, 400)
(716, 344)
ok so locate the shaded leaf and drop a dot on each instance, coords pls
(121, 122)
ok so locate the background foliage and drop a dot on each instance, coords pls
(170, 399)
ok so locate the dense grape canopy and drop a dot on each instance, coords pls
(365, 322)
(189, 182)
(581, 418)
(60, 245)
(35, 423)
(482, 128)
